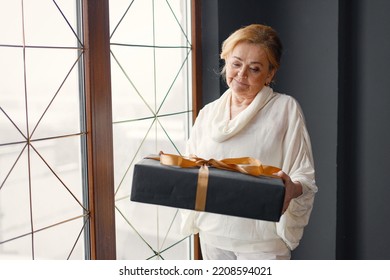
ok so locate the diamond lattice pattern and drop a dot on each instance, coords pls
(150, 62)
(42, 215)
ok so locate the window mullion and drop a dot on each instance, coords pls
(196, 80)
(99, 128)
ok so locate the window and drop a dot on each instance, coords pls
(42, 183)
(152, 112)
(56, 120)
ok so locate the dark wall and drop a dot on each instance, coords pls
(363, 227)
(334, 65)
(210, 51)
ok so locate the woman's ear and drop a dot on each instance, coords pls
(270, 77)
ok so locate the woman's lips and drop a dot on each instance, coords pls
(240, 83)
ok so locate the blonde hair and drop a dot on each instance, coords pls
(258, 34)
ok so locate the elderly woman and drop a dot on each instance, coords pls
(250, 119)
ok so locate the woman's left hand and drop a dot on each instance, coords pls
(293, 189)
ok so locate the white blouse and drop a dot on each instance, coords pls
(271, 129)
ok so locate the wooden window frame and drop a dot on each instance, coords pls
(196, 28)
(99, 129)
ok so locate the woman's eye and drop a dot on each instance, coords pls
(235, 64)
(255, 70)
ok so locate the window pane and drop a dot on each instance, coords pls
(46, 26)
(11, 22)
(14, 197)
(52, 96)
(132, 83)
(60, 242)
(42, 212)
(12, 95)
(151, 98)
(131, 22)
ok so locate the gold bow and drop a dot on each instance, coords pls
(246, 165)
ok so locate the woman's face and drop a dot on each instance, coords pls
(247, 69)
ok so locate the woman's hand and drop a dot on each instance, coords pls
(293, 189)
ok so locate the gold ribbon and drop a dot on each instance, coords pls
(246, 165)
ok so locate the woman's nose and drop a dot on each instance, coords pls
(242, 73)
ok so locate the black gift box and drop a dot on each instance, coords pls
(230, 193)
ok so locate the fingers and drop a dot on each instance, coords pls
(283, 176)
(286, 181)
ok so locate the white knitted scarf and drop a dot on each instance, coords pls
(223, 127)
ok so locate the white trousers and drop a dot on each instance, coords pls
(213, 253)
